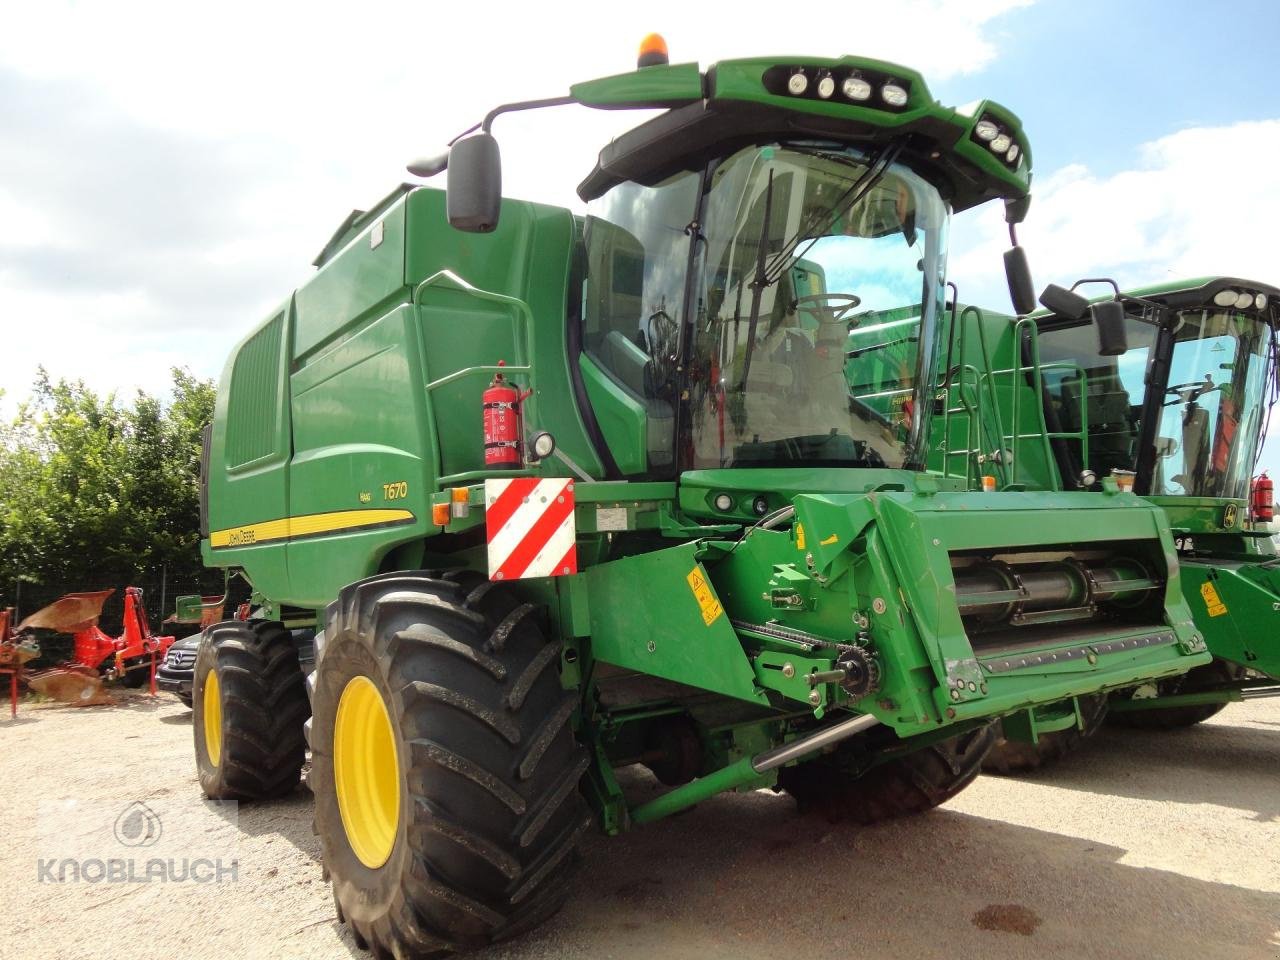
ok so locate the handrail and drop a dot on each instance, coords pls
(1036, 369)
(523, 364)
(994, 398)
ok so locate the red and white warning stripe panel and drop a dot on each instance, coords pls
(530, 528)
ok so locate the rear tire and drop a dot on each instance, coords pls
(1018, 756)
(250, 704)
(833, 785)
(1198, 679)
(488, 814)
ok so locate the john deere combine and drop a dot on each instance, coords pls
(1166, 390)
(573, 493)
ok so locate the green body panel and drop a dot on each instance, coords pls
(352, 284)
(368, 434)
(668, 85)
(241, 493)
(645, 616)
(1207, 515)
(884, 557)
(740, 80)
(1237, 608)
(622, 418)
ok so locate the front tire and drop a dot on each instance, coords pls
(1210, 676)
(1017, 756)
(835, 785)
(250, 704)
(466, 831)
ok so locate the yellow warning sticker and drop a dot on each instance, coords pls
(799, 536)
(705, 596)
(1213, 603)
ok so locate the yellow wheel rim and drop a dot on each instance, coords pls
(212, 718)
(366, 772)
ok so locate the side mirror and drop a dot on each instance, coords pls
(430, 165)
(1064, 302)
(474, 197)
(1108, 320)
(1018, 272)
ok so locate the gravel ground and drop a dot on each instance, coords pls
(1151, 845)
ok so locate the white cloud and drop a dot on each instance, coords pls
(169, 170)
(1200, 202)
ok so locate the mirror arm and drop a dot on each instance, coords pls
(1114, 286)
(521, 105)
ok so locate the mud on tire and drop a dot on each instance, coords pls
(490, 814)
(264, 707)
(835, 786)
(1017, 756)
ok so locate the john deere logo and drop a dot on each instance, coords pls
(1229, 515)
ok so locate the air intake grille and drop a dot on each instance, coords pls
(254, 405)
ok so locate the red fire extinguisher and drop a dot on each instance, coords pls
(501, 404)
(1262, 499)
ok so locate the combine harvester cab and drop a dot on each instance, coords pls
(573, 493)
(1167, 391)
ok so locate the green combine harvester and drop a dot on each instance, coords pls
(566, 494)
(1167, 390)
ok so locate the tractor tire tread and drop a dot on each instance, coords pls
(1177, 718)
(495, 815)
(264, 710)
(1009, 757)
(903, 785)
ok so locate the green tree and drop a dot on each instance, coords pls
(95, 493)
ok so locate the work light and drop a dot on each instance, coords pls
(894, 95)
(856, 88)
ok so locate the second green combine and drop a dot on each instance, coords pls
(1165, 391)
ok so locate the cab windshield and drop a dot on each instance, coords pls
(817, 273)
(1211, 420)
(817, 285)
(1211, 416)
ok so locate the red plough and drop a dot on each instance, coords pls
(131, 657)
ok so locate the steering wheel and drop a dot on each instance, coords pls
(1189, 392)
(828, 307)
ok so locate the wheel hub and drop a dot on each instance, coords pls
(212, 718)
(366, 772)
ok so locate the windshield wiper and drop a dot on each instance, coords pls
(860, 351)
(758, 283)
(822, 221)
(767, 274)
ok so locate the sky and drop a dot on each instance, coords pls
(168, 170)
